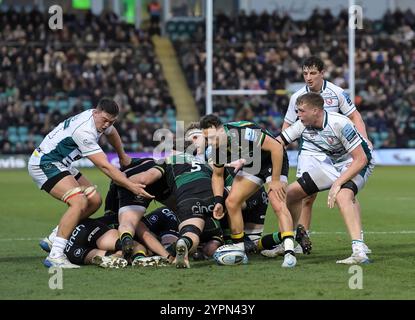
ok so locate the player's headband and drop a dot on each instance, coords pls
(193, 132)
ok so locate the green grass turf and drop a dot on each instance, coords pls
(387, 203)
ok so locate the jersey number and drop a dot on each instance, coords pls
(195, 167)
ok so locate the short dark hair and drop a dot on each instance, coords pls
(313, 61)
(109, 106)
(312, 99)
(210, 121)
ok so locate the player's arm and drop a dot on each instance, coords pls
(358, 122)
(359, 162)
(100, 160)
(285, 125)
(147, 177)
(114, 139)
(291, 114)
(218, 184)
(348, 108)
(150, 241)
(276, 149)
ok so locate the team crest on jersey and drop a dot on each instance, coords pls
(328, 101)
(330, 140)
(78, 252)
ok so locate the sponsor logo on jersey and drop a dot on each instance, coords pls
(78, 252)
(346, 96)
(93, 233)
(87, 142)
(349, 132)
(250, 134)
(198, 208)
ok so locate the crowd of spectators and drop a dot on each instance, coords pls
(265, 51)
(48, 75)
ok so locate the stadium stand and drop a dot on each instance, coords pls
(46, 76)
(265, 52)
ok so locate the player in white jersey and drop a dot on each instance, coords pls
(50, 168)
(335, 100)
(340, 161)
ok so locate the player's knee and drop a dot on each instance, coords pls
(344, 198)
(232, 203)
(278, 206)
(309, 200)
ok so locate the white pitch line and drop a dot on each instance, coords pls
(365, 232)
(21, 239)
(312, 232)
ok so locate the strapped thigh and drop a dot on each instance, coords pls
(72, 193)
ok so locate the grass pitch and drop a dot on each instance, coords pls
(27, 214)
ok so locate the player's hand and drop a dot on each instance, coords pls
(138, 189)
(278, 188)
(125, 160)
(334, 190)
(218, 211)
(237, 164)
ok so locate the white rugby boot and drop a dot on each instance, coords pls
(112, 262)
(278, 250)
(59, 262)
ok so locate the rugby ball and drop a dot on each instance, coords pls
(228, 255)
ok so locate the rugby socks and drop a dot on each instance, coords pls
(188, 241)
(53, 234)
(288, 240)
(269, 241)
(138, 254)
(58, 246)
(238, 240)
(126, 235)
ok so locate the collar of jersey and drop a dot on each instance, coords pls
(322, 89)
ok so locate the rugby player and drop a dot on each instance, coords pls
(265, 162)
(50, 166)
(335, 100)
(341, 162)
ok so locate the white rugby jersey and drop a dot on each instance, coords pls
(337, 139)
(71, 140)
(335, 100)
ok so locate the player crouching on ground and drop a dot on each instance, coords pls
(342, 162)
(265, 158)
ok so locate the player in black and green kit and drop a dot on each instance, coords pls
(265, 162)
(189, 181)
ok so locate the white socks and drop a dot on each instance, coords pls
(289, 244)
(58, 246)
